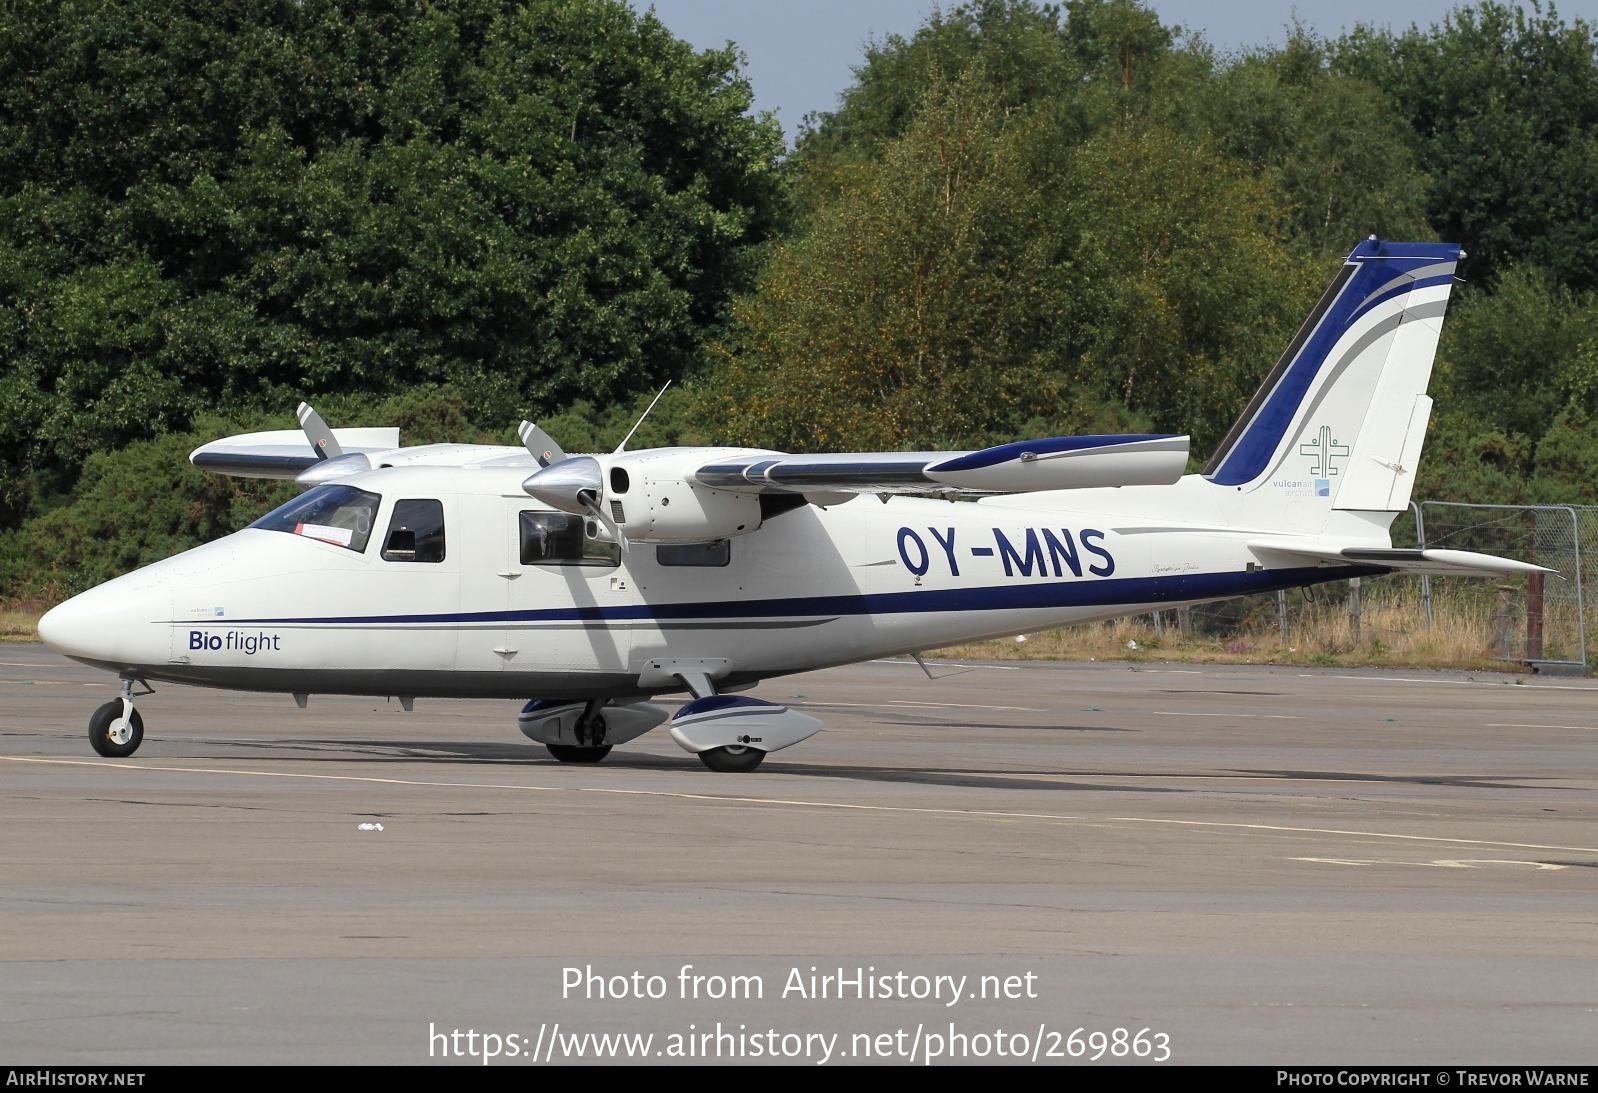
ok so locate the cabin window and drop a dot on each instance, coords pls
(331, 513)
(705, 555)
(559, 538)
(415, 532)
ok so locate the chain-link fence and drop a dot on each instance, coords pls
(1538, 619)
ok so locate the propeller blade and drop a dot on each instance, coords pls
(317, 432)
(539, 443)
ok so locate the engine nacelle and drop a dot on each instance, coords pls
(651, 498)
(723, 721)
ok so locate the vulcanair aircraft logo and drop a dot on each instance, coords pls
(1324, 451)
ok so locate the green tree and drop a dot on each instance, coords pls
(1078, 59)
(241, 203)
(1179, 294)
(1121, 37)
(875, 329)
(1331, 145)
(1019, 46)
(1502, 104)
(1514, 357)
(1567, 459)
(986, 276)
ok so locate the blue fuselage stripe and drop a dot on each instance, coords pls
(1009, 597)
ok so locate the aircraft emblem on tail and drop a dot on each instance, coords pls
(1324, 450)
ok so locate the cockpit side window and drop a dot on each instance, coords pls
(560, 538)
(332, 513)
(415, 532)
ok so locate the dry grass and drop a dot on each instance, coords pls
(20, 621)
(1393, 633)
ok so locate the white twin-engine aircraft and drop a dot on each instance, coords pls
(595, 583)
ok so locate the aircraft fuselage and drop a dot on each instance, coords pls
(492, 616)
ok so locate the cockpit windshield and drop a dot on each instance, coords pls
(332, 513)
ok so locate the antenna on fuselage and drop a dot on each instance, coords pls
(623, 445)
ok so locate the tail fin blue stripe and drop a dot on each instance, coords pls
(1409, 286)
(1365, 282)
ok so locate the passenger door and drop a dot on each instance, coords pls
(487, 531)
(570, 598)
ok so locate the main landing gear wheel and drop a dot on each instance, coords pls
(732, 758)
(570, 753)
(115, 736)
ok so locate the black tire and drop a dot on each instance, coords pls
(570, 753)
(591, 732)
(738, 759)
(101, 725)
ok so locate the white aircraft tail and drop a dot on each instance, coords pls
(1338, 424)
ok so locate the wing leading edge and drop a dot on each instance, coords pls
(1026, 466)
(285, 453)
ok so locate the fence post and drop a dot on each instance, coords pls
(1503, 613)
(1281, 613)
(1534, 616)
(1581, 602)
(1353, 610)
(1425, 579)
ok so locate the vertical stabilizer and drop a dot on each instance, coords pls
(1341, 419)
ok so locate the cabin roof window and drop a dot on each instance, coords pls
(332, 513)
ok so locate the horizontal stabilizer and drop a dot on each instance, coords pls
(283, 453)
(1026, 466)
(1431, 562)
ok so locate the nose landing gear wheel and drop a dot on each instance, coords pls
(732, 758)
(115, 736)
(570, 753)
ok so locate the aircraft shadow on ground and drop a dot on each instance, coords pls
(1460, 781)
(923, 723)
(509, 753)
(456, 753)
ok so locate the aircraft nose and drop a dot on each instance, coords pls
(114, 624)
(68, 627)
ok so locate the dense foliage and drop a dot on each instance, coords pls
(234, 204)
(1069, 217)
(1021, 218)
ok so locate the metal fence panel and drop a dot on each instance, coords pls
(1440, 620)
(1538, 619)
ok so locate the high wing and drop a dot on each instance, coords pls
(316, 453)
(283, 453)
(1430, 562)
(1026, 466)
(290, 453)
